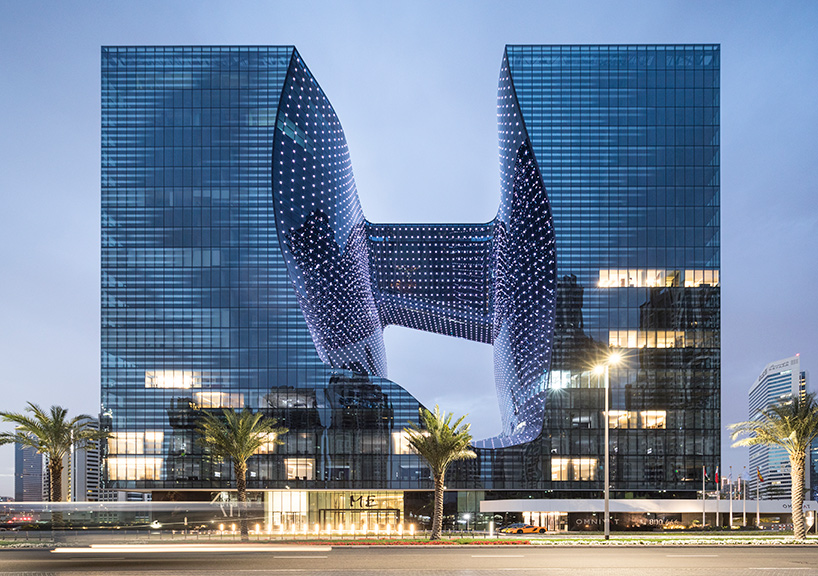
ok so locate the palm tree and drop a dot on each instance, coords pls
(793, 425)
(237, 436)
(51, 434)
(440, 443)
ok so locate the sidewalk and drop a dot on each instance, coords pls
(103, 538)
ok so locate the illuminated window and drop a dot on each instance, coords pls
(126, 443)
(153, 442)
(566, 469)
(269, 445)
(661, 338)
(621, 419)
(650, 278)
(695, 278)
(300, 468)
(400, 443)
(653, 418)
(135, 468)
(149, 442)
(219, 399)
(629, 278)
(287, 506)
(173, 379)
(560, 379)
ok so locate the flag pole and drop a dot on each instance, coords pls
(718, 497)
(704, 505)
(730, 486)
(758, 504)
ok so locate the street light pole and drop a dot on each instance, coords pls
(614, 358)
(607, 456)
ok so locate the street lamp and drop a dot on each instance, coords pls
(604, 368)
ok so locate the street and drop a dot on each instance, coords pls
(422, 561)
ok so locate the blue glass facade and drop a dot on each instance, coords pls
(627, 140)
(198, 310)
(238, 270)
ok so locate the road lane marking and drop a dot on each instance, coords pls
(692, 555)
(299, 556)
(177, 548)
(219, 572)
(498, 556)
(271, 547)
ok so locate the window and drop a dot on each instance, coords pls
(653, 418)
(661, 338)
(148, 442)
(219, 399)
(135, 468)
(300, 468)
(621, 419)
(566, 469)
(400, 443)
(173, 379)
(649, 278)
(269, 445)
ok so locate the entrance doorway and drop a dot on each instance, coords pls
(551, 521)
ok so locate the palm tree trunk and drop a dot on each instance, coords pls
(55, 479)
(797, 462)
(437, 516)
(55, 489)
(240, 468)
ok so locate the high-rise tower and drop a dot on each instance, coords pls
(627, 141)
(239, 271)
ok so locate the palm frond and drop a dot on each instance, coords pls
(238, 435)
(439, 441)
(791, 424)
(49, 432)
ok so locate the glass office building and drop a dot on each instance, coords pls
(779, 381)
(28, 474)
(627, 140)
(239, 271)
(198, 310)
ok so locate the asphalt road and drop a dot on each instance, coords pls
(426, 561)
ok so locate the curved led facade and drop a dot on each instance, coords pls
(525, 292)
(492, 283)
(321, 227)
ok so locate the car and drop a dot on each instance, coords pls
(520, 528)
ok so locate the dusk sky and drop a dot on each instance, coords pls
(414, 85)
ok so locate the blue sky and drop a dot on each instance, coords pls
(414, 85)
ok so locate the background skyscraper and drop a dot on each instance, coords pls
(28, 474)
(779, 381)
